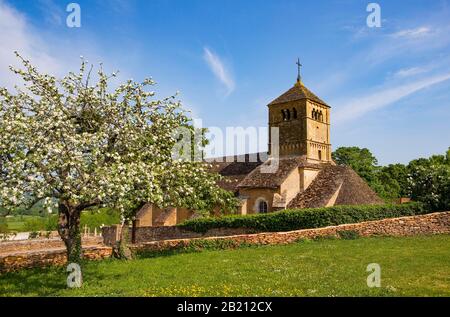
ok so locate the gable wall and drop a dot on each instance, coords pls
(254, 194)
(291, 185)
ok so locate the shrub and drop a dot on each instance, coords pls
(306, 218)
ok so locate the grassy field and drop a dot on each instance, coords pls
(414, 266)
(91, 218)
(17, 223)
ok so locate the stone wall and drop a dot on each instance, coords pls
(148, 234)
(16, 255)
(111, 235)
(40, 244)
(43, 258)
(436, 223)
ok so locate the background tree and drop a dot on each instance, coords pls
(429, 181)
(362, 161)
(392, 181)
(424, 179)
(79, 144)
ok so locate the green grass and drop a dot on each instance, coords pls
(17, 223)
(94, 218)
(413, 266)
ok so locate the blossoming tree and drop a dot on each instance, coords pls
(83, 144)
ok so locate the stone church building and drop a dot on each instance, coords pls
(305, 177)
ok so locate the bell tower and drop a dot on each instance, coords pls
(303, 120)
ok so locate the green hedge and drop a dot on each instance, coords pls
(306, 218)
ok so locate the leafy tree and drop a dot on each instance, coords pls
(362, 161)
(429, 181)
(424, 179)
(81, 144)
(393, 181)
(388, 182)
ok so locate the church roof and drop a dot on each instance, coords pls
(260, 179)
(234, 169)
(351, 189)
(298, 92)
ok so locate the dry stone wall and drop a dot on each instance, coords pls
(41, 258)
(16, 255)
(148, 234)
(436, 223)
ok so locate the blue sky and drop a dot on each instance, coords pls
(389, 87)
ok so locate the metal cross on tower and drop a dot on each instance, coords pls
(299, 77)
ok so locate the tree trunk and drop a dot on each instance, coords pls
(69, 230)
(124, 250)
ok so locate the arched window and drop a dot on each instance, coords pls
(313, 115)
(262, 206)
(294, 113)
(321, 116)
(283, 115)
(320, 155)
(288, 114)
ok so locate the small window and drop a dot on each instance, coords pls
(320, 155)
(294, 113)
(283, 115)
(262, 207)
(288, 114)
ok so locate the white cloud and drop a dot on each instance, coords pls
(413, 33)
(360, 106)
(17, 35)
(219, 70)
(53, 13)
(408, 72)
(50, 52)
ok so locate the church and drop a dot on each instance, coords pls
(304, 174)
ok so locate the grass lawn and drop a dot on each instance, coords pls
(17, 223)
(413, 266)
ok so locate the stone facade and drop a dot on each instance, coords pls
(436, 223)
(304, 152)
(305, 133)
(151, 215)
